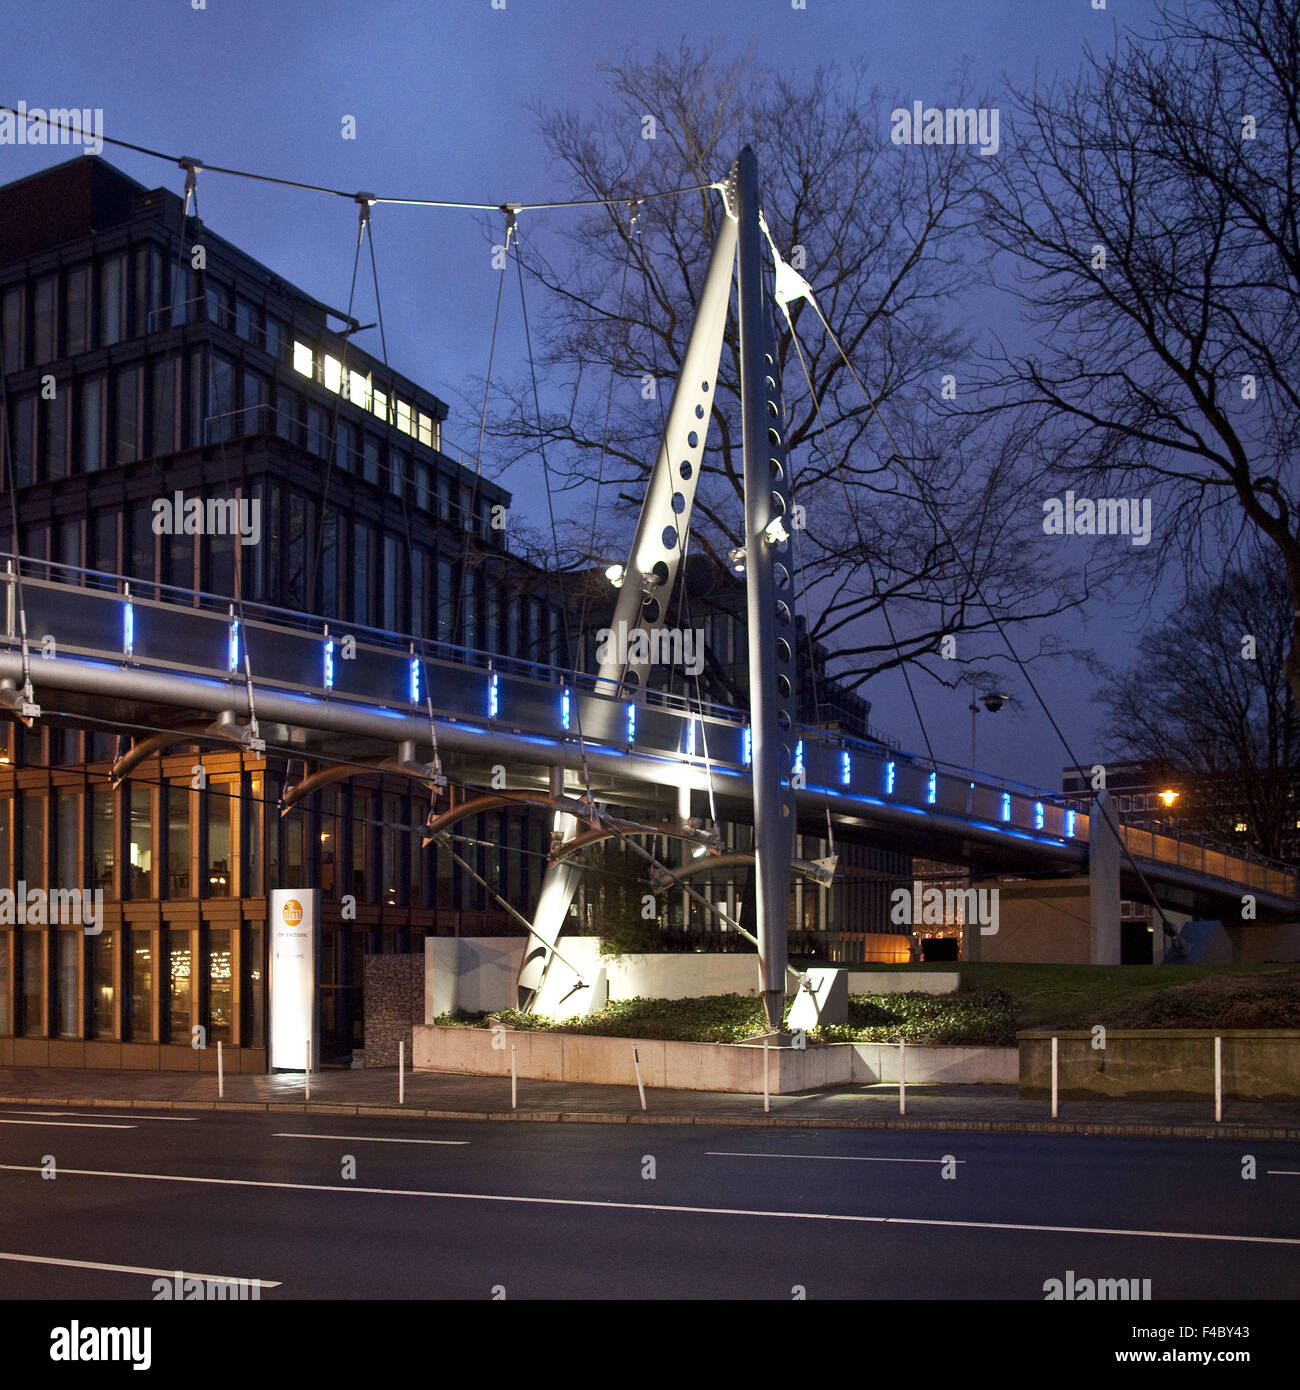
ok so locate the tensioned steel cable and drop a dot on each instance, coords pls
(68, 128)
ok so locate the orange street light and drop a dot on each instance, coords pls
(1169, 797)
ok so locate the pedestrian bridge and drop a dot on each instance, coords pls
(143, 654)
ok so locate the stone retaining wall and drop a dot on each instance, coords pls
(1163, 1063)
(393, 1000)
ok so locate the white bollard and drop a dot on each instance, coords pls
(514, 1085)
(767, 1088)
(221, 1075)
(401, 1073)
(1218, 1080)
(636, 1062)
(902, 1076)
(1054, 1059)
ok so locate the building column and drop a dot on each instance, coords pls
(1103, 882)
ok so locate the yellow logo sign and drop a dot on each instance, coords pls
(292, 912)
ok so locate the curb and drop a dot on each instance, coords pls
(1099, 1129)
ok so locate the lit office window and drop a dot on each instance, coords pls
(221, 984)
(180, 985)
(141, 988)
(426, 435)
(404, 417)
(379, 404)
(140, 846)
(303, 361)
(331, 373)
(178, 841)
(68, 943)
(219, 866)
(103, 980)
(359, 390)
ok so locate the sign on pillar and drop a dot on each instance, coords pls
(295, 951)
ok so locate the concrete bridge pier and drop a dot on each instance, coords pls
(1103, 882)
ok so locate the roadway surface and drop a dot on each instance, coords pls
(441, 1209)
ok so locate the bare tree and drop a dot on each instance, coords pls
(901, 522)
(1153, 209)
(1209, 695)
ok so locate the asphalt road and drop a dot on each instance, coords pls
(525, 1211)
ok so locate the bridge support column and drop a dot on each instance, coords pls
(769, 562)
(1103, 882)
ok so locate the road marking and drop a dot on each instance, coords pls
(137, 1269)
(367, 1139)
(175, 1119)
(826, 1158)
(64, 1124)
(350, 1191)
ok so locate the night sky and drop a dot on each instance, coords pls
(441, 91)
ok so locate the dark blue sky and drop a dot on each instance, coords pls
(440, 90)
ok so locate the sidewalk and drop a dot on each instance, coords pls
(439, 1095)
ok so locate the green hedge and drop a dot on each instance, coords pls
(983, 1017)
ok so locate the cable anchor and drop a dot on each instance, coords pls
(511, 211)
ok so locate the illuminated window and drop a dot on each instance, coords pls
(426, 430)
(404, 417)
(331, 374)
(359, 390)
(1240, 825)
(379, 404)
(303, 360)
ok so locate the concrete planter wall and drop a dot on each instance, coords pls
(903, 981)
(1165, 1063)
(701, 1066)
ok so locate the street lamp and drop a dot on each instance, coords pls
(992, 701)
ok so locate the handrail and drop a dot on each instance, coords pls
(259, 613)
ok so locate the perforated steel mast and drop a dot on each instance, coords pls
(654, 562)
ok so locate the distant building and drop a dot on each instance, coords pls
(1155, 792)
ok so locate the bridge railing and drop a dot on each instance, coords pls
(190, 633)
